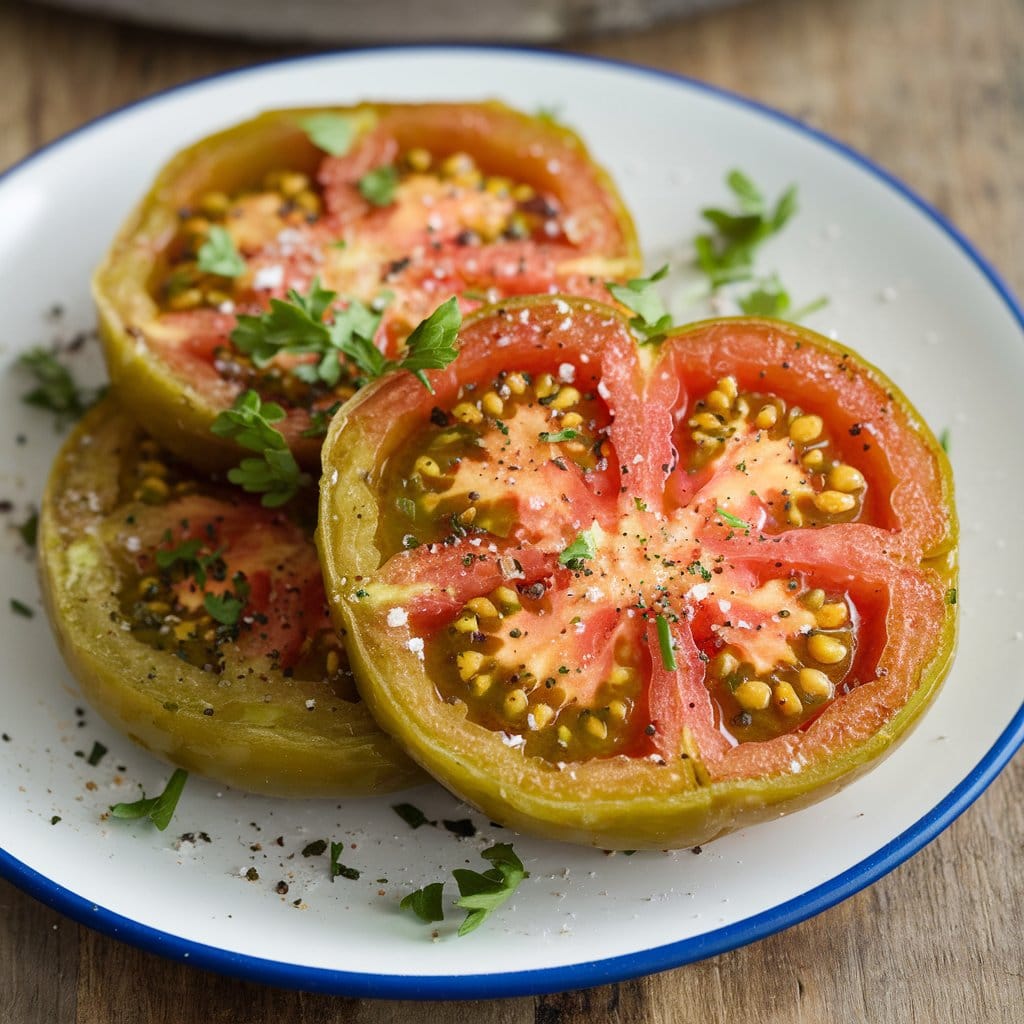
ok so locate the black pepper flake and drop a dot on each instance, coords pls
(855, 429)
(252, 875)
(697, 849)
(463, 828)
(281, 888)
(651, 729)
(208, 712)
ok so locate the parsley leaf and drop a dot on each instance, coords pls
(159, 809)
(55, 388)
(561, 435)
(652, 320)
(668, 654)
(320, 421)
(581, 548)
(218, 255)
(22, 609)
(731, 520)
(29, 530)
(431, 346)
(276, 474)
(411, 815)
(770, 298)
(425, 903)
(695, 568)
(944, 439)
(482, 894)
(333, 133)
(227, 607)
(338, 868)
(727, 253)
(378, 186)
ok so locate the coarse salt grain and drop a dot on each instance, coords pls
(398, 617)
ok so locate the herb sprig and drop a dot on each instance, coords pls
(274, 473)
(641, 296)
(55, 386)
(218, 255)
(159, 809)
(582, 548)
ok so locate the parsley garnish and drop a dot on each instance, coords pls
(218, 255)
(640, 504)
(315, 849)
(944, 440)
(668, 654)
(227, 607)
(425, 903)
(482, 894)
(159, 809)
(952, 596)
(731, 520)
(431, 346)
(652, 320)
(338, 868)
(97, 753)
(22, 609)
(378, 186)
(55, 388)
(333, 133)
(561, 435)
(727, 254)
(769, 298)
(411, 815)
(275, 474)
(581, 548)
(29, 530)
(295, 325)
(696, 569)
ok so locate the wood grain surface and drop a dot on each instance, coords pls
(933, 90)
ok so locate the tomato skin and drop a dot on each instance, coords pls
(168, 381)
(219, 726)
(689, 785)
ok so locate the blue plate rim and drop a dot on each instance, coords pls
(611, 969)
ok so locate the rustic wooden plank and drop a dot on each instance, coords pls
(933, 89)
(38, 961)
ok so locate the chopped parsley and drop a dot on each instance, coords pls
(227, 607)
(97, 753)
(56, 389)
(29, 530)
(411, 815)
(22, 609)
(159, 809)
(695, 568)
(337, 868)
(668, 654)
(275, 474)
(562, 435)
(729, 519)
(378, 186)
(944, 440)
(770, 298)
(333, 133)
(218, 255)
(425, 903)
(480, 894)
(726, 253)
(641, 296)
(583, 547)
(317, 848)
(640, 504)
(952, 596)
(320, 421)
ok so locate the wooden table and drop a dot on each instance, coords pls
(933, 90)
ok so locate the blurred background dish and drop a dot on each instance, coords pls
(350, 21)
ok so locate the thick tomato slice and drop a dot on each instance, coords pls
(196, 621)
(637, 596)
(429, 201)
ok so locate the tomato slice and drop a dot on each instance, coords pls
(196, 621)
(637, 596)
(430, 201)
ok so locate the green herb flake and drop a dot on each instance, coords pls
(333, 133)
(411, 815)
(317, 848)
(730, 520)
(97, 754)
(952, 596)
(641, 296)
(583, 547)
(668, 654)
(29, 530)
(561, 435)
(480, 894)
(22, 609)
(770, 298)
(726, 254)
(944, 440)
(339, 869)
(695, 568)
(431, 346)
(461, 827)
(275, 474)
(425, 903)
(640, 504)
(218, 255)
(379, 185)
(56, 389)
(158, 809)
(227, 607)
(56, 819)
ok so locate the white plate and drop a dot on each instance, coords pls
(906, 291)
